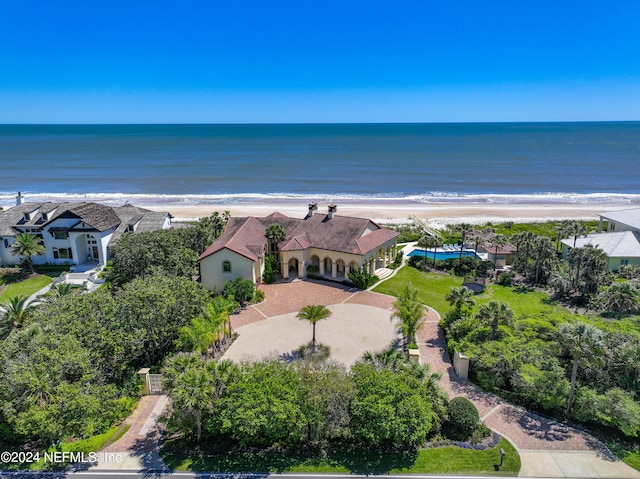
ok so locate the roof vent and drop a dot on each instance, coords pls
(332, 209)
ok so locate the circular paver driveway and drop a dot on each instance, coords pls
(351, 330)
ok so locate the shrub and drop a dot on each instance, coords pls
(312, 268)
(462, 419)
(362, 279)
(258, 296)
(269, 275)
(505, 279)
(241, 290)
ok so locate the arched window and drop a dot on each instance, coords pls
(226, 266)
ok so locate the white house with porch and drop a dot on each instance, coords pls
(621, 241)
(327, 245)
(73, 233)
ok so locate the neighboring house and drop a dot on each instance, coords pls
(501, 258)
(74, 232)
(331, 245)
(621, 220)
(622, 247)
(621, 242)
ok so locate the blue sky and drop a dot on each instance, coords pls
(324, 61)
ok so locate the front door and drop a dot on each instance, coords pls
(95, 252)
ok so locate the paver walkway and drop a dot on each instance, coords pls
(547, 448)
(136, 450)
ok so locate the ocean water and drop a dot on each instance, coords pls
(499, 162)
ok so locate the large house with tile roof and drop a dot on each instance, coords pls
(74, 233)
(621, 241)
(328, 245)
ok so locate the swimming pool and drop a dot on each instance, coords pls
(442, 255)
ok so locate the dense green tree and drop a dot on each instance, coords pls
(155, 308)
(583, 342)
(155, 252)
(524, 242)
(239, 290)
(263, 406)
(212, 227)
(203, 332)
(389, 409)
(27, 245)
(314, 313)
(328, 392)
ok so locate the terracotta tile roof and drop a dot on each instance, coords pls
(341, 233)
(245, 236)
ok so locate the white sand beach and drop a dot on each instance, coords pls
(402, 211)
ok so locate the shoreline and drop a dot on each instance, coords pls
(403, 212)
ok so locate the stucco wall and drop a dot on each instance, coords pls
(211, 270)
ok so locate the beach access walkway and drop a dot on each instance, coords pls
(547, 448)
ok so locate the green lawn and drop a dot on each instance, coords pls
(446, 460)
(526, 303)
(91, 444)
(433, 287)
(26, 287)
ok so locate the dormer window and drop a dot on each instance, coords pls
(45, 217)
(27, 217)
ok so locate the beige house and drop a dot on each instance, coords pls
(328, 245)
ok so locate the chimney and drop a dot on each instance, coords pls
(312, 207)
(19, 199)
(332, 209)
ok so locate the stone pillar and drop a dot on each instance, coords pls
(284, 266)
(600, 225)
(143, 375)
(334, 269)
(372, 265)
(321, 266)
(347, 270)
(300, 269)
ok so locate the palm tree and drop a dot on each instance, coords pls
(562, 230)
(524, 242)
(463, 229)
(27, 245)
(461, 299)
(479, 241)
(15, 312)
(498, 242)
(193, 393)
(582, 341)
(429, 241)
(495, 313)
(544, 255)
(578, 229)
(58, 291)
(411, 313)
(621, 297)
(275, 234)
(314, 313)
